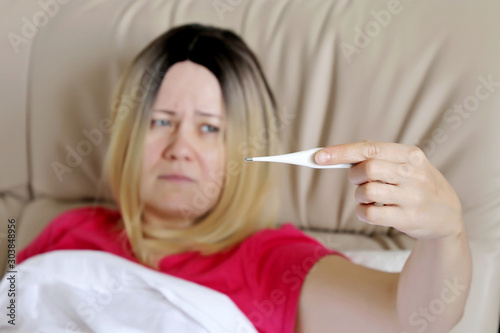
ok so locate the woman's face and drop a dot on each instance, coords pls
(184, 151)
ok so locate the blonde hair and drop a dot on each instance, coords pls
(247, 202)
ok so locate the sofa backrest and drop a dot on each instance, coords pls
(423, 73)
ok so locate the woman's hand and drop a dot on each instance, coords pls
(416, 197)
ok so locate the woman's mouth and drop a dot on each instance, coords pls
(176, 178)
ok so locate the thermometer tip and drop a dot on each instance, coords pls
(248, 159)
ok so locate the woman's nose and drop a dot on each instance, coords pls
(180, 147)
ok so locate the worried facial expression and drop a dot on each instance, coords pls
(184, 151)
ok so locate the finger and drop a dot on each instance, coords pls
(381, 193)
(362, 151)
(388, 216)
(375, 170)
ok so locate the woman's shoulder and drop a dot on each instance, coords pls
(286, 242)
(90, 211)
(276, 262)
(286, 245)
(286, 233)
(95, 219)
(69, 228)
(85, 215)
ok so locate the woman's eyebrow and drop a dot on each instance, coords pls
(206, 114)
(197, 112)
(170, 112)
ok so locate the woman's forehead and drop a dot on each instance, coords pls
(188, 85)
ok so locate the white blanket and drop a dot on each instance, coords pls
(91, 291)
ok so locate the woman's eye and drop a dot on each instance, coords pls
(209, 129)
(160, 122)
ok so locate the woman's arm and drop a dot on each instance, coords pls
(430, 293)
(338, 296)
(434, 284)
(428, 296)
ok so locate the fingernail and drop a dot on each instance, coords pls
(322, 157)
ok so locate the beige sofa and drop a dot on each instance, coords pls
(424, 73)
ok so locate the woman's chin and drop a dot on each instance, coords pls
(180, 210)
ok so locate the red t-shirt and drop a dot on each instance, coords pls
(263, 275)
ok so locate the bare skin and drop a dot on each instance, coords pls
(430, 293)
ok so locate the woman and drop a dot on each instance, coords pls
(188, 107)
